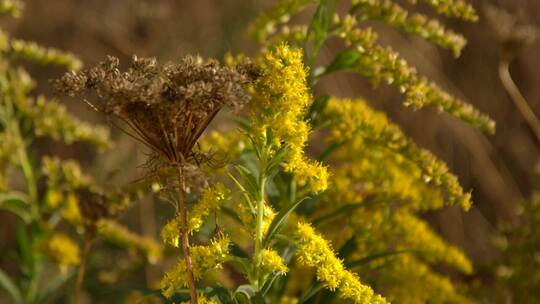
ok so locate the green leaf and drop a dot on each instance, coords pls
(16, 203)
(272, 168)
(319, 25)
(317, 107)
(220, 293)
(279, 220)
(268, 284)
(344, 60)
(313, 290)
(24, 249)
(10, 287)
(250, 181)
(245, 294)
(329, 150)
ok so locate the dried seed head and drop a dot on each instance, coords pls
(166, 107)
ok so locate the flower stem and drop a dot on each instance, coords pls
(182, 212)
(260, 217)
(82, 267)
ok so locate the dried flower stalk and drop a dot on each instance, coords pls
(165, 107)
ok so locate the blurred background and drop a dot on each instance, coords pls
(499, 169)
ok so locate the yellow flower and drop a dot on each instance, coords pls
(121, 236)
(64, 250)
(71, 210)
(408, 284)
(170, 233)
(281, 98)
(202, 299)
(314, 251)
(354, 122)
(53, 198)
(210, 200)
(271, 261)
(204, 259)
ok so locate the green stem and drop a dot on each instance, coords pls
(30, 178)
(260, 216)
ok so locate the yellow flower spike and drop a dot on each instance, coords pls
(210, 200)
(314, 251)
(281, 98)
(121, 236)
(204, 259)
(170, 233)
(359, 125)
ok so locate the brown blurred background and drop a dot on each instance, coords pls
(498, 168)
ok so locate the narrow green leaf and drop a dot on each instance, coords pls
(267, 285)
(319, 25)
(316, 288)
(53, 286)
(10, 287)
(343, 61)
(250, 182)
(317, 107)
(279, 220)
(16, 203)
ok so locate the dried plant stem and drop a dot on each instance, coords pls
(82, 267)
(184, 235)
(518, 99)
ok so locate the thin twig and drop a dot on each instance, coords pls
(82, 267)
(182, 212)
(519, 101)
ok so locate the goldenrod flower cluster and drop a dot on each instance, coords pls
(361, 127)
(379, 63)
(266, 24)
(11, 7)
(202, 299)
(416, 234)
(291, 34)
(452, 8)
(63, 172)
(281, 99)
(393, 14)
(121, 236)
(63, 178)
(247, 217)
(314, 251)
(64, 250)
(271, 262)
(204, 259)
(223, 146)
(36, 53)
(384, 176)
(409, 281)
(210, 201)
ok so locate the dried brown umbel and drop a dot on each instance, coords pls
(166, 107)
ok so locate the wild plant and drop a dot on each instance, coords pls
(59, 209)
(312, 198)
